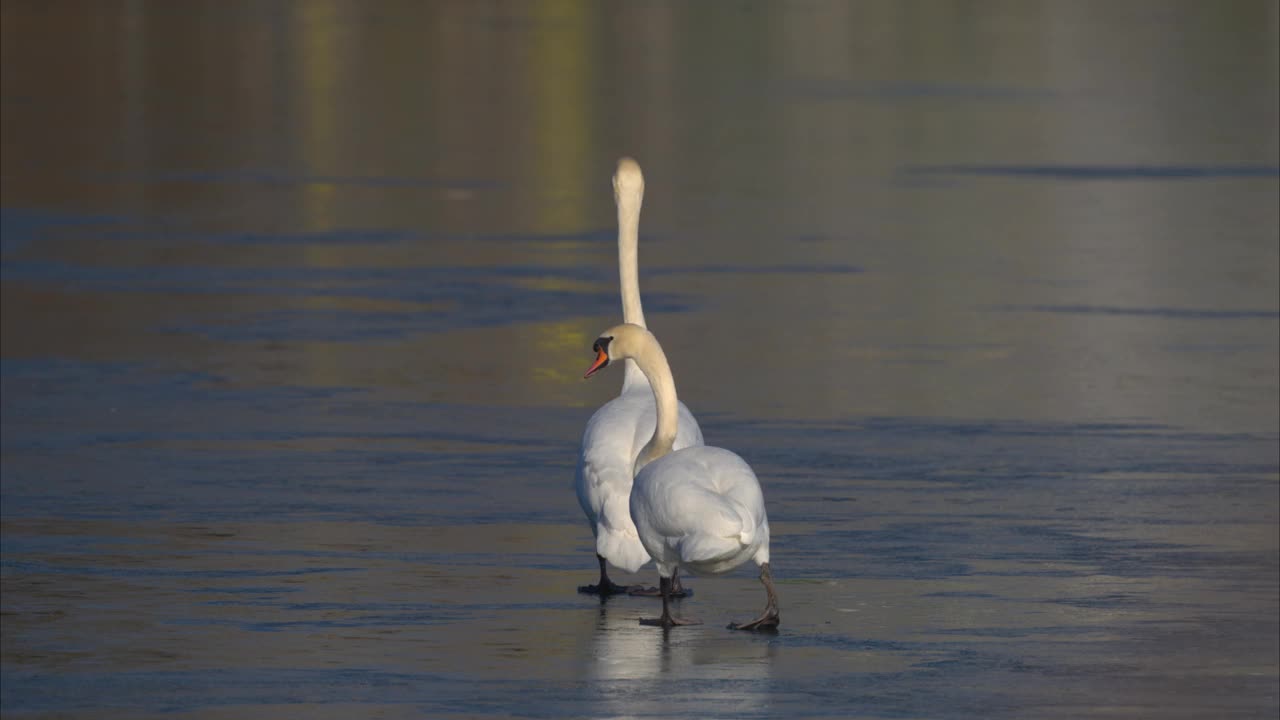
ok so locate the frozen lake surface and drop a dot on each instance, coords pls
(297, 299)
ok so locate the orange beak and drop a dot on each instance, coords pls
(602, 359)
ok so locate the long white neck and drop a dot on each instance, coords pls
(629, 202)
(653, 363)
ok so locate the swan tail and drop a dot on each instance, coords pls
(704, 549)
(616, 537)
(621, 552)
(746, 521)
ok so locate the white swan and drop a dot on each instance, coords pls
(699, 508)
(617, 431)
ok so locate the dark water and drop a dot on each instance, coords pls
(296, 300)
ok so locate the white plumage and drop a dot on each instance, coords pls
(699, 507)
(614, 436)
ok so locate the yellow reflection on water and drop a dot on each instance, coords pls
(562, 348)
(570, 193)
(562, 75)
(319, 138)
(317, 59)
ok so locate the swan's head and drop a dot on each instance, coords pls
(628, 181)
(619, 342)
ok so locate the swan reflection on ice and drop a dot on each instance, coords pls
(632, 665)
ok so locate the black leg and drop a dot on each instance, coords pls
(678, 590)
(605, 586)
(667, 620)
(769, 619)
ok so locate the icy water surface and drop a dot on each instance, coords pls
(297, 299)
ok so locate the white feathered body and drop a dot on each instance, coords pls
(614, 436)
(701, 509)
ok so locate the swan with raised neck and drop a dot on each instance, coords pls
(619, 429)
(628, 195)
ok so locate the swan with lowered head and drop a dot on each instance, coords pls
(617, 431)
(700, 507)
